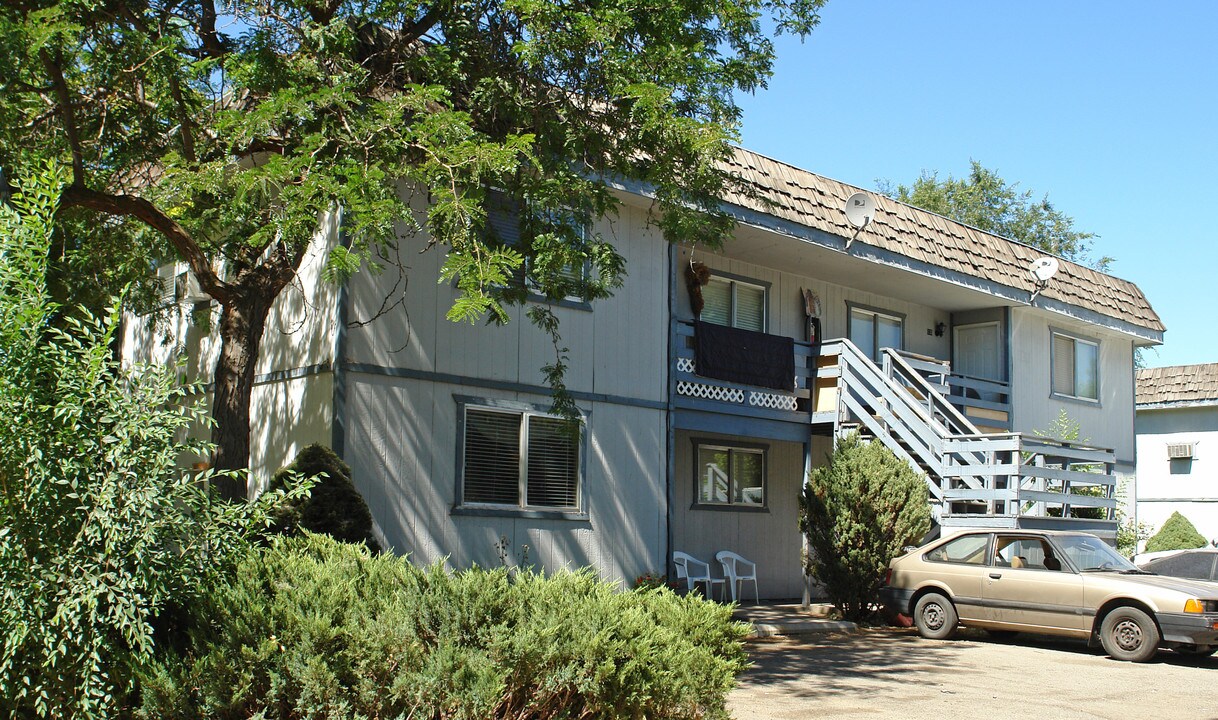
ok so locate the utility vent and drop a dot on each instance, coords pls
(1179, 451)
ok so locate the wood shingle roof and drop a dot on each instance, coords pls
(815, 201)
(1178, 384)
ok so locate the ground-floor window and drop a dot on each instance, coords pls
(730, 475)
(519, 459)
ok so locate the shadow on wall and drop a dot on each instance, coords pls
(1180, 466)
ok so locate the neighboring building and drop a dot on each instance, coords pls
(1177, 442)
(698, 437)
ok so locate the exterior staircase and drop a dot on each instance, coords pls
(976, 479)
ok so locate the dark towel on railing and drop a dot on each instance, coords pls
(744, 356)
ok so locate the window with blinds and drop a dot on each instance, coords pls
(734, 304)
(728, 475)
(552, 478)
(1075, 367)
(520, 459)
(503, 225)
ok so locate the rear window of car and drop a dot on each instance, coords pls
(1195, 565)
(968, 550)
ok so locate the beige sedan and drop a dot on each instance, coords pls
(1057, 583)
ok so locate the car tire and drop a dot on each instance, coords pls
(935, 617)
(1127, 633)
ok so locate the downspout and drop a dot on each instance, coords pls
(338, 424)
(1008, 331)
(669, 417)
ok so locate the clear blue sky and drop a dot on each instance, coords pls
(1110, 108)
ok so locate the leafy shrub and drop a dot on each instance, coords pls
(1176, 534)
(334, 507)
(100, 530)
(314, 628)
(858, 511)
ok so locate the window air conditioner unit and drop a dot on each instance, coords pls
(189, 289)
(1179, 451)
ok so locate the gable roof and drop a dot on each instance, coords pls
(815, 201)
(1187, 384)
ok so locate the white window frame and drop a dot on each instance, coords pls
(731, 448)
(1053, 360)
(734, 283)
(524, 412)
(876, 313)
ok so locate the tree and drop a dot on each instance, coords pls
(100, 529)
(333, 507)
(987, 202)
(858, 511)
(219, 135)
(1176, 534)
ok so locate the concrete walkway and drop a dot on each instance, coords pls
(791, 619)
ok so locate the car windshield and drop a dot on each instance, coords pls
(1089, 553)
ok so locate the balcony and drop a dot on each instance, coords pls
(694, 392)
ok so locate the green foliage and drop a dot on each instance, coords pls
(333, 507)
(987, 202)
(100, 529)
(1063, 427)
(403, 114)
(1178, 533)
(858, 511)
(314, 628)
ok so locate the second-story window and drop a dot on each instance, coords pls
(1076, 367)
(734, 303)
(503, 220)
(873, 330)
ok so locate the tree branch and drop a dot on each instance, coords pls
(213, 46)
(140, 209)
(186, 126)
(416, 29)
(67, 112)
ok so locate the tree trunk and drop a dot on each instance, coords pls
(241, 325)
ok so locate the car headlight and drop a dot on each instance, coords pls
(1192, 605)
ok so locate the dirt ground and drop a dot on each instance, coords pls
(891, 673)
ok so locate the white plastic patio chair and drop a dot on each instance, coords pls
(694, 571)
(737, 570)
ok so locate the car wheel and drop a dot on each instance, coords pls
(1196, 650)
(935, 617)
(1127, 633)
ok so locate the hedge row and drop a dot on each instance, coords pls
(312, 628)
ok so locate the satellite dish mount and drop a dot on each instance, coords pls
(1042, 271)
(860, 211)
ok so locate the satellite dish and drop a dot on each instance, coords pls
(860, 209)
(1043, 269)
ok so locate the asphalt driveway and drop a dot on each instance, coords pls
(896, 674)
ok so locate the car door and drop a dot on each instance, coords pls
(1028, 587)
(960, 564)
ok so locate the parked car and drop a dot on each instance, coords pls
(1199, 564)
(1056, 583)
